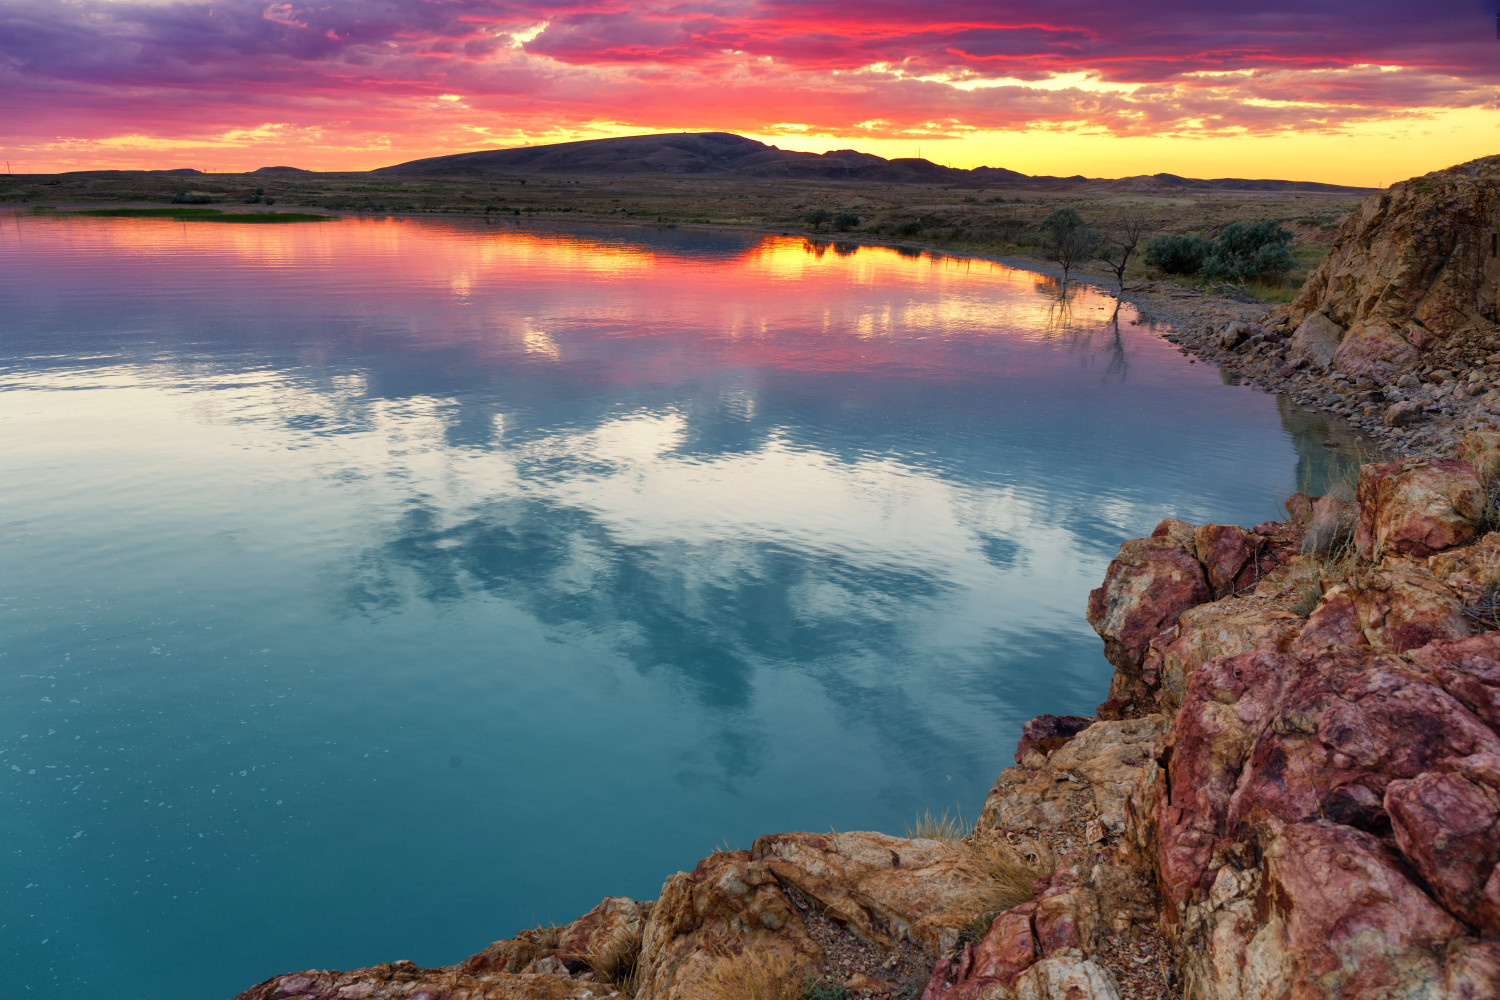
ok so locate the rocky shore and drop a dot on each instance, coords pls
(1292, 791)
(1397, 331)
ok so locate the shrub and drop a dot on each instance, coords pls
(1178, 254)
(909, 228)
(845, 221)
(1246, 251)
(818, 218)
(1067, 239)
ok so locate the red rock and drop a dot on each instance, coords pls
(1332, 624)
(1347, 921)
(1010, 947)
(1226, 627)
(1448, 825)
(1223, 550)
(1468, 669)
(1146, 587)
(1416, 506)
(1298, 507)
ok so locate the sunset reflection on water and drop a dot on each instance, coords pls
(669, 537)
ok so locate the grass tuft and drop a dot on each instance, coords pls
(755, 975)
(618, 964)
(1006, 873)
(1308, 600)
(943, 827)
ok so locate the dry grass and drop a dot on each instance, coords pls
(943, 827)
(1308, 600)
(755, 975)
(617, 964)
(1005, 872)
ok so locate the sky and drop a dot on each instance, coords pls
(1357, 93)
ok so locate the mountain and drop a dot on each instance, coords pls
(724, 154)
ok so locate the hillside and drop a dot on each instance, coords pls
(724, 154)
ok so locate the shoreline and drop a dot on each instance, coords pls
(1195, 321)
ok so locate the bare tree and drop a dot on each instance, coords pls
(1120, 242)
(1067, 240)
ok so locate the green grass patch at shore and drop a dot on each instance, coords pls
(189, 214)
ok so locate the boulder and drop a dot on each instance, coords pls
(1404, 413)
(1447, 823)
(1233, 334)
(1334, 623)
(1226, 627)
(1067, 978)
(1481, 449)
(602, 941)
(1402, 607)
(1089, 778)
(1416, 506)
(1148, 584)
(1331, 525)
(1316, 340)
(886, 889)
(1373, 349)
(1224, 550)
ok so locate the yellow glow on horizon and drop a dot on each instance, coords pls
(1370, 154)
(1367, 154)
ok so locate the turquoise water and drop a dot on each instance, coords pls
(374, 589)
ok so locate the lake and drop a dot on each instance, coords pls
(372, 589)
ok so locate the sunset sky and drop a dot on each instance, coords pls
(1360, 93)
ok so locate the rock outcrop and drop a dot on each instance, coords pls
(1397, 331)
(1415, 267)
(1292, 793)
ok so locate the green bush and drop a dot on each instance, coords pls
(1250, 250)
(818, 218)
(1178, 254)
(911, 228)
(845, 221)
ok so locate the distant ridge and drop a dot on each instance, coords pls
(280, 170)
(725, 154)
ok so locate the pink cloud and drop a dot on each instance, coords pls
(352, 71)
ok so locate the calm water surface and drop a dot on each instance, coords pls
(374, 589)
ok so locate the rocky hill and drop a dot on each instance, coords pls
(1292, 793)
(725, 154)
